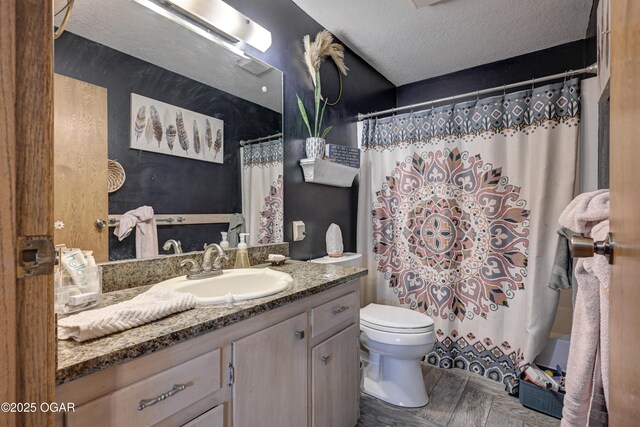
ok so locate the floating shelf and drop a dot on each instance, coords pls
(325, 172)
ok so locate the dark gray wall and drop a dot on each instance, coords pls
(171, 185)
(558, 59)
(364, 90)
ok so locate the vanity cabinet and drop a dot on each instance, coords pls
(270, 376)
(335, 367)
(296, 365)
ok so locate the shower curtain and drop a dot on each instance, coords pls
(457, 218)
(262, 191)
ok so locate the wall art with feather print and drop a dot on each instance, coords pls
(163, 128)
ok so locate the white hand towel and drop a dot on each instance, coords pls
(152, 305)
(144, 221)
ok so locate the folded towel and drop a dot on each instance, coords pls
(152, 305)
(144, 221)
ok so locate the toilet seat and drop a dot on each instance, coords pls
(397, 320)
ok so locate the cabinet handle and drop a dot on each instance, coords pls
(300, 335)
(325, 359)
(340, 309)
(145, 403)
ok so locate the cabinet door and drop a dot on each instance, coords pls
(270, 386)
(80, 157)
(212, 418)
(335, 365)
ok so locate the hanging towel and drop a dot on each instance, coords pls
(152, 305)
(589, 348)
(236, 226)
(562, 276)
(146, 230)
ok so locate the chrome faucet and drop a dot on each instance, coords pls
(208, 268)
(175, 244)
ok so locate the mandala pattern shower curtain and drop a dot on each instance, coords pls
(262, 191)
(457, 217)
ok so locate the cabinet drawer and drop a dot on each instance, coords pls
(212, 418)
(155, 398)
(328, 315)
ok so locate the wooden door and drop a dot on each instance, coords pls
(27, 336)
(270, 387)
(80, 158)
(624, 390)
(335, 368)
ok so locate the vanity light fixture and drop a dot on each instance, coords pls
(214, 20)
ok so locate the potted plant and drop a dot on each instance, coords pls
(314, 54)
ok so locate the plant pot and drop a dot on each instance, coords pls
(315, 148)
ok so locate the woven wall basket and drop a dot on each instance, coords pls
(116, 176)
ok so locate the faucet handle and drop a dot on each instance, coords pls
(217, 263)
(195, 267)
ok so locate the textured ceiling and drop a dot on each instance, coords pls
(406, 44)
(135, 30)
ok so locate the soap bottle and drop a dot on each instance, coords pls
(242, 256)
(225, 243)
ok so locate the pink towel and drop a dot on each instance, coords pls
(146, 231)
(585, 211)
(588, 214)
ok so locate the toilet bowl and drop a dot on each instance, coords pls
(396, 339)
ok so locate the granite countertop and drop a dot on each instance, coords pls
(76, 360)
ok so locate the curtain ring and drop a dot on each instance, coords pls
(478, 96)
(504, 90)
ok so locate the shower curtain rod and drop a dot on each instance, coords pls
(264, 138)
(591, 69)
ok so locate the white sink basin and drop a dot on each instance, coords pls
(233, 285)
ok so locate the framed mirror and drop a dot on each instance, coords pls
(166, 118)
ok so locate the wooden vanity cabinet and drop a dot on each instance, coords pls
(295, 365)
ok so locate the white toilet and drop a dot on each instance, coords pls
(396, 339)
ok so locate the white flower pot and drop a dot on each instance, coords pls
(315, 148)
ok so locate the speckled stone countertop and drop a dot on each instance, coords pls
(76, 360)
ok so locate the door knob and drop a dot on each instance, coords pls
(100, 223)
(585, 247)
(300, 335)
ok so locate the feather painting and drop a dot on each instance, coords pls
(196, 138)
(157, 124)
(208, 134)
(148, 131)
(218, 144)
(170, 134)
(170, 130)
(141, 119)
(183, 138)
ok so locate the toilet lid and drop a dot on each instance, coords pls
(395, 319)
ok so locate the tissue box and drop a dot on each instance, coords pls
(344, 155)
(71, 298)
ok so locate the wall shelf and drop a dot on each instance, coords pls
(325, 172)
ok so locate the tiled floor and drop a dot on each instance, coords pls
(458, 398)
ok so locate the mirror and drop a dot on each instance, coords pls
(169, 108)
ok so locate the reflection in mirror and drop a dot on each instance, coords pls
(169, 107)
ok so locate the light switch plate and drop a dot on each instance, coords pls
(298, 231)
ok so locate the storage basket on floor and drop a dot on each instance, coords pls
(546, 401)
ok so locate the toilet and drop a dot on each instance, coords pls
(395, 341)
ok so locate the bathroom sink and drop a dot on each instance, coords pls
(232, 285)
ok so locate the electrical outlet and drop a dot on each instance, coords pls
(298, 231)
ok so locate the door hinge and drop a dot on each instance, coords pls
(35, 256)
(231, 374)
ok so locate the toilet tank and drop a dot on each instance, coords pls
(348, 259)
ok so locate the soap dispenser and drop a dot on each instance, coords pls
(224, 244)
(242, 256)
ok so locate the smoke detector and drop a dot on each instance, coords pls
(422, 3)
